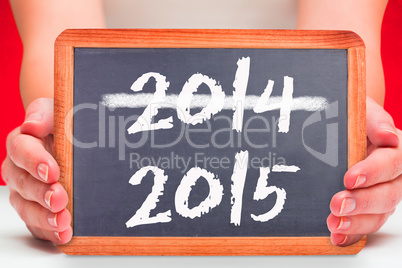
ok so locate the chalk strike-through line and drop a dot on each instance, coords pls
(139, 100)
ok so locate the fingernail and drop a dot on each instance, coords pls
(48, 197)
(361, 179)
(344, 224)
(34, 117)
(348, 205)
(52, 220)
(388, 128)
(43, 172)
(338, 239)
(57, 235)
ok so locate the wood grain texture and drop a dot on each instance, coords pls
(125, 38)
(63, 124)
(198, 246)
(357, 141)
(171, 38)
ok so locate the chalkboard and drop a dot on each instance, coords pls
(206, 135)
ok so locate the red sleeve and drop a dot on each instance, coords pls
(11, 109)
(391, 53)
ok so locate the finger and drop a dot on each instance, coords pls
(56, 237)
(382, 165)
(28, 152)
(380, 127)
(39, 118)
(343, 240)
(377, 199)
(33, 214)
(359, 224)
(4, 168)
(50, 196)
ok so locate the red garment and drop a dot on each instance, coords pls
(391, 53)
(11, 109)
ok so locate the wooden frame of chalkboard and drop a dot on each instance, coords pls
(251, 39)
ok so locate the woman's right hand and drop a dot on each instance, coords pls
(31, 174)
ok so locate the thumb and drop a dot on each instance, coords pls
(381, 130)
(39, 118)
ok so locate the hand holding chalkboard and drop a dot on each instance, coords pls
(207, 138)
(372, 184)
